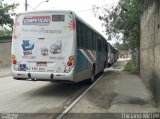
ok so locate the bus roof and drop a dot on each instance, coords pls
(45, 11)
(89, 26)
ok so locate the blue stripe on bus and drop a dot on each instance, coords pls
(82, 62)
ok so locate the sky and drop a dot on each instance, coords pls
(82, 8)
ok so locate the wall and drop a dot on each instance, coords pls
(5, 54)
(150, 46)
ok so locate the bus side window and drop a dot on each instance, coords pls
(79, 34)
(99, 44)
(90, 40)
(96, 45)
(106, 47)
(93, 40)
(84, 35)
(87, 39)
(102, 41)
(78, 38)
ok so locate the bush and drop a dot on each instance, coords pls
(5, 37)
(129, 66)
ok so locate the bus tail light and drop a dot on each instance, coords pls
(14, 61)
(71, 58)
(13, 57)
(69, 63)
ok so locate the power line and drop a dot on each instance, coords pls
(102, 6)
(85, 10)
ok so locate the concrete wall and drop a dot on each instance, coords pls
(5, 54)
(150, 46)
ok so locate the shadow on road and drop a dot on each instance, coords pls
(59, 89)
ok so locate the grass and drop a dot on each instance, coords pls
(129, 66)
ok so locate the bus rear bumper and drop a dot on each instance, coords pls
(48, 76)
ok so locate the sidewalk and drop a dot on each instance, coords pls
(117, 92)
(5, 70)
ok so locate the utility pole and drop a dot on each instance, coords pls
(40, 4)
(26, 5)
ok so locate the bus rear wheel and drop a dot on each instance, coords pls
(92, 79)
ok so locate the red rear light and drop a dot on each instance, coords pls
(69, 63)
(13, 57)
(71, 58)
(14, 62)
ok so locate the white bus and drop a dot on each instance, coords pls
(56, 46)
(110, 55)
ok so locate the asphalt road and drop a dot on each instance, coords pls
(36, 97)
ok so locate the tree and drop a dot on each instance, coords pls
(124, 18)
(121, 46)
(5, 18)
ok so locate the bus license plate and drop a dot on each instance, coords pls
(38, 69)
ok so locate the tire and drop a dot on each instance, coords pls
(102, 71)
(19, 79)
(105, 64)
(104, 68)
(92, 79)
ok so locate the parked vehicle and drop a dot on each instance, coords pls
(110, 54)
(56, 46)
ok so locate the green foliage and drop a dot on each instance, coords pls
(122, 46)
(5, 32)
(5, 18)
(124, 18)
(129, 66)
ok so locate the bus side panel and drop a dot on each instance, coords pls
(97, 62)
(99, 57)
(106, 54)
(83, 67)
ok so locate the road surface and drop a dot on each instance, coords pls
(35, 96)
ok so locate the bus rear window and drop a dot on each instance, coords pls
(58, 18)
